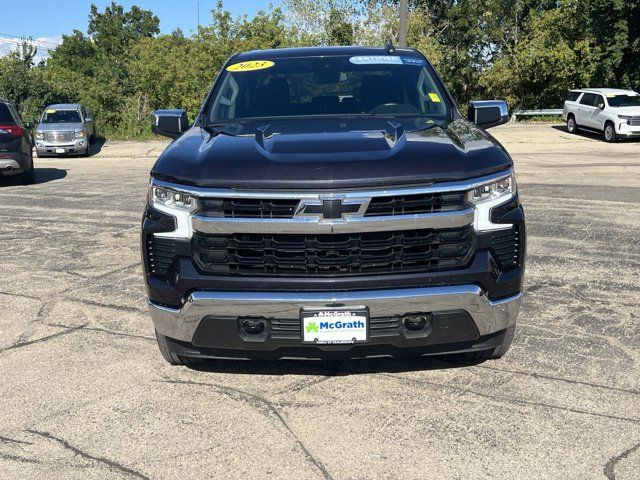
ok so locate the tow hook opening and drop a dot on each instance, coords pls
(254, 326)
(418, 322)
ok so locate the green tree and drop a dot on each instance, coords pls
(15, 69)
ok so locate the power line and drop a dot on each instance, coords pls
(9, 41)
(32, 40)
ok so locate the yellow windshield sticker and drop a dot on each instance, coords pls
(250, 66)
(434, 97)
(611, 95)
(51, 110)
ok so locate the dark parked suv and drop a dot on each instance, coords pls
(332, 202)
(16, 157)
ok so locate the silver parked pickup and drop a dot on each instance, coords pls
(65, 129)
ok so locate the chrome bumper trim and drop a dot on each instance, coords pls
(182, 323)
(346, 194)
(313, 225)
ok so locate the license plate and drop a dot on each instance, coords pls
(335, 325)
(59, 150)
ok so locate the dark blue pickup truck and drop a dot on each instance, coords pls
(332, 202)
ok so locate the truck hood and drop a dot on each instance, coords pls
(633, 111)
(330, 154)
(60, 127)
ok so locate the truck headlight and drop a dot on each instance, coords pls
(164, 197)
(39, 135)
(490, 195)
(79, 134)
(625, 117)
(177, 204)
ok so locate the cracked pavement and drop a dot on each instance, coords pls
(86, 394)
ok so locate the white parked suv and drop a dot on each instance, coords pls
(614, 112)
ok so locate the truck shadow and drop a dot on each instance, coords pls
(590, 134)
(331, 368)
(43, 175)
(96, 147)
(48, 174)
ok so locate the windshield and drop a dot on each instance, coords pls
(384, 85)
(61, 116)
(624, 101)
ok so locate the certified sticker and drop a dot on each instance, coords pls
(386, 60)
(376, 60)
(250, 66)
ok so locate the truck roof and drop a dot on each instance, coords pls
(608, 91)
(65, 106)
(320, 51)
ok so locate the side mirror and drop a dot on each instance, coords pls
(601, 106)
(29, 125)
(88, 119)
(170, 123)
(488, 113)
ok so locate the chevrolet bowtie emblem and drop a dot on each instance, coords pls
(330, 209)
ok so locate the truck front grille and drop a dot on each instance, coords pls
(248, 207)
(415, 204)
(58, 137)
(286, 208)
(334, 254)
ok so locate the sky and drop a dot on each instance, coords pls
(47, 20)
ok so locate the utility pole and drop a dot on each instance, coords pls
(403, 23)
(198, 3)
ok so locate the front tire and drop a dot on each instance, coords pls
(171, 357)
(609, 133)
(572, 126)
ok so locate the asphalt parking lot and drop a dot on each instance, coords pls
(86, 394)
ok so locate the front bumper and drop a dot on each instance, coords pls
(205, 314)
(626, 130)
(77, 146)
(462, 319)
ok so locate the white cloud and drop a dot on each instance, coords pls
(44, 44)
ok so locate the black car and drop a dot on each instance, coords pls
(16, 143)
(332, 202)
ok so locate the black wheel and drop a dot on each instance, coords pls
(497, 352)
(610, 132)
(572, 126)
(28, 177)
(171, 357)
